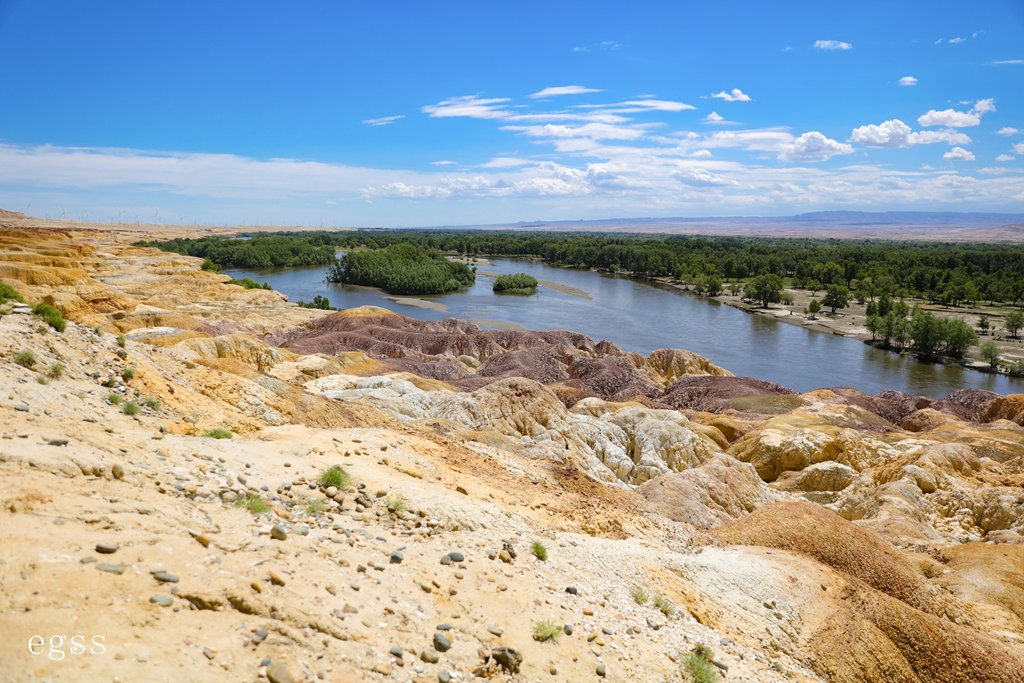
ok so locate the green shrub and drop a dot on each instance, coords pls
(253, 503)
(128, 374)
(42, 380)
(699, 668)
(8, 293)
(396, 505)
(110, 382)
(57, 370)
(50, 315)
(539, 551)
(315, 506)
(120, 340)
(25, 359)
(638, 594)
(335, 476)
(218, 434)
(665, 605)
(153, 403)
(210, 266)
(545, 630)
(249, 283)
(131, 408)
(115, 399)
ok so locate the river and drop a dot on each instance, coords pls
(644, 316)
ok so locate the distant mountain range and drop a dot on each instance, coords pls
(926, 225)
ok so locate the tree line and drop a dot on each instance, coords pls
(255, 252)
(515, 282)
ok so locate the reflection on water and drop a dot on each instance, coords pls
(643, 316)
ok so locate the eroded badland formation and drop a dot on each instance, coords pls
(831, 535)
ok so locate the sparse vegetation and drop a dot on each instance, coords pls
(120, 340)
(50, 315)
(42, 380)
(319, 302)
(335, 476)
(56, 370)
(110, 382)
(25, 359)
(315, 506)
(664, 605)
(131, 408)
(115, 399)
(545, 630)
(253, 503)
(153, 403)
(698, 666)
(539, 551)
(128, 374)
(8, 293)
(397, 505)
(639, 595)
(218, 434)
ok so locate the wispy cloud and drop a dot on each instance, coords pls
(505, 162)
(469, 105)
(832, 45)
(1009, 61)
(603, 45)
(1005, 157)
(384, 120)
(563, 90)
(908, 80)
(444, 162)
(1008, 130)
(736, 95)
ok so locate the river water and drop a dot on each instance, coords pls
(644, 316)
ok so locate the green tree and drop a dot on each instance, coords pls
(925, 333)
(1014, 321)
(837, 296)
(957, 337)
(983, 324)
(814, 307)
(766, 289)
(990, 353)
(874, 324)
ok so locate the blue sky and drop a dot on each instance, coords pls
(439, 113)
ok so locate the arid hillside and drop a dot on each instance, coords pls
(201, 482)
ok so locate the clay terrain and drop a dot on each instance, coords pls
(201, 482)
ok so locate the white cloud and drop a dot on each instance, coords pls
(948, 117)
(908, 80)
(1005, 157)
(832, 45)
(1009, 61)
(713, 117)
(470, 106)
(384, 120)
(892, 133)
(698, 178)
(563, 90)
(701, 154)
(958, 154)
(813, 147)
(895, 133)
(505, 162)
(1008, 131)
(594, 131)
(1019, 148)
(444, 162)
(956, 41)
(736, 95)
(983, 106)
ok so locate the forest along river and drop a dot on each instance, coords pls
(644, 316)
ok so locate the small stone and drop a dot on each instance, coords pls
(456, 556)
(208, 653)
(117, 470)
(162, 600)
(441, 642)
(567, 629)
(57, 442)
(571, 590)
(495, 630)
(444, 627)
(505, 556)
(332, 491)
(110, 568)
(142, 657)
(446, 560)
(462, 490)
(602, 670)
(164, 577)
(502, 587)
(444, 677)
(107, 548)
(397, 652)
(204, 540)
(397, 557)
(276, 579)
(607, 631)
(507, 658)
(553, 670)
(259, 635)
(277, 672)
(21, 407)
(278, 532)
